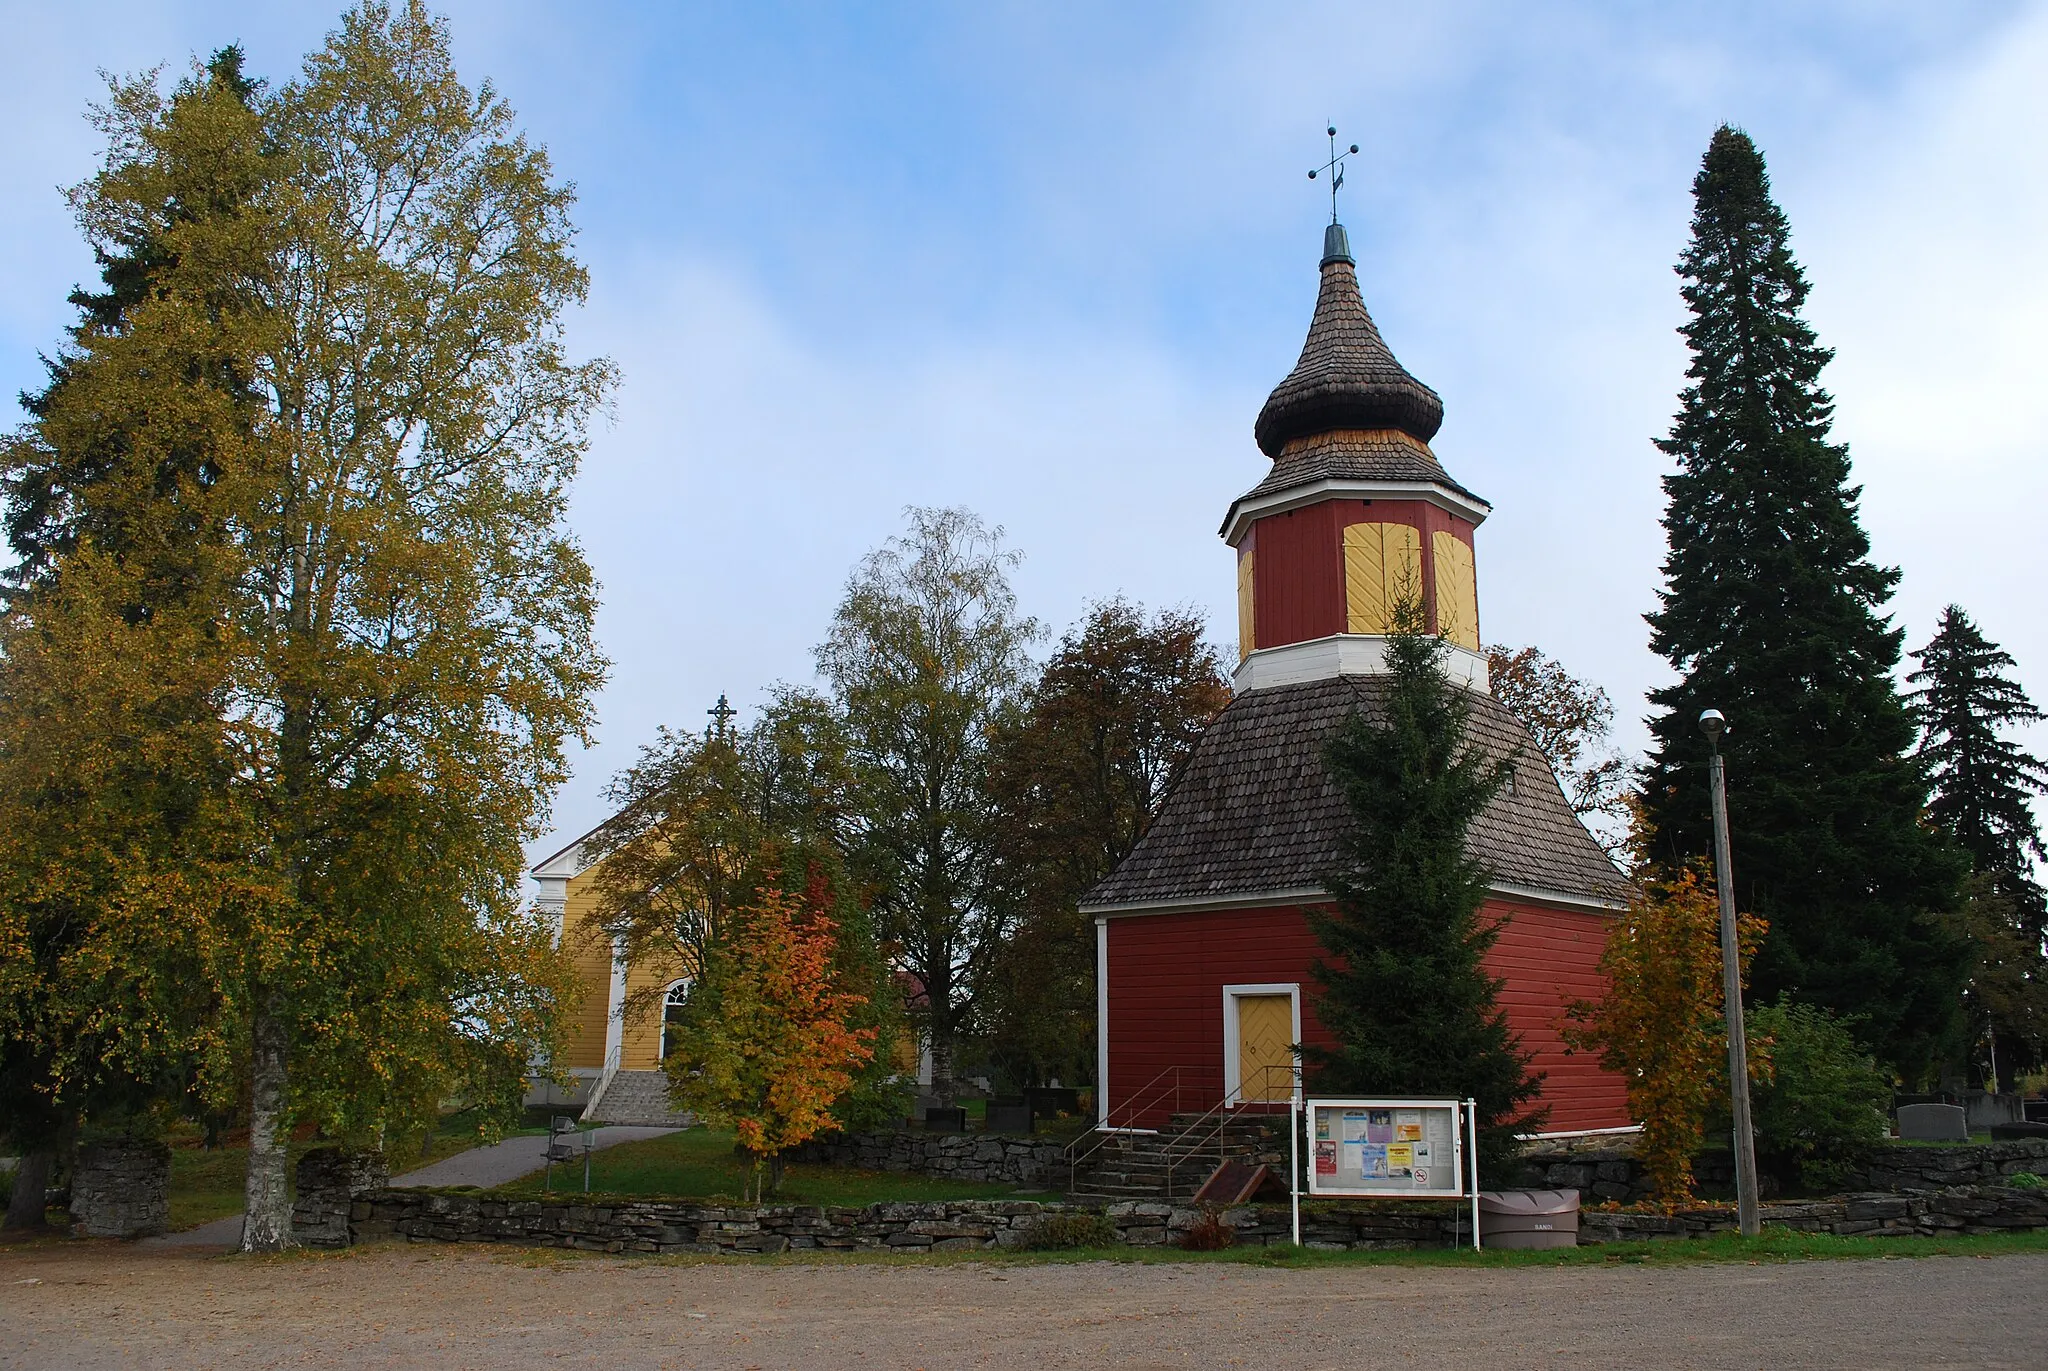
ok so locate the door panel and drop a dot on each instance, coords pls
(1265, 1041)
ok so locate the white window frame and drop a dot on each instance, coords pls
(1233, 1081)
(661, 1026)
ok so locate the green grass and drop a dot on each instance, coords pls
(208, 1183)
(699, 1164)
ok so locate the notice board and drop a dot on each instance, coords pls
(1412, 1149)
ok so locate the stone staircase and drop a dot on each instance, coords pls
(637, 1097)
(1172, 1163)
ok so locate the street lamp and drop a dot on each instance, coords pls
(1714, 724)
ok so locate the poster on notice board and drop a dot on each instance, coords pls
(1387, 1148)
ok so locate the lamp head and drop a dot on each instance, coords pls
(1713, 723)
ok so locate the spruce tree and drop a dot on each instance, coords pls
(1984, 783)
(1983, 787)
(1772, 612)
(1404, 991)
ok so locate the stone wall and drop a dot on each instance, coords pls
(121, 1189)
(671, 1226)
(1923, 1213)
(993, 1157)
(1610, 1172)
(329, 1180)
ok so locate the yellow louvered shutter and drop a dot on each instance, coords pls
(1381, 562)
(1246, 637)
(1457, 590)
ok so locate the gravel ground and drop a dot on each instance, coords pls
(84, 1305)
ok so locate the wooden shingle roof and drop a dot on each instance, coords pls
(1347, 377)
(1384, 454)
(1255, 810)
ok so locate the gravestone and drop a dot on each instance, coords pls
(1009, 1118)
(1046, 1101)
(121, 1189)
(1933, 1123)
(941, 1119)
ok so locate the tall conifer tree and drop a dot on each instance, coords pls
(1406, 995)
(1984, 783)
(1773, 613)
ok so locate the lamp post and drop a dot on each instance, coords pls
(1713, 724)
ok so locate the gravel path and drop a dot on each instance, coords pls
(480, 1166)
(88, 1305)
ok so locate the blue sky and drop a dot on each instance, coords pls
(1046, 261)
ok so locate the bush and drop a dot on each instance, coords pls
(1068, 1232)
(1823, 1107)
(1208, 1234)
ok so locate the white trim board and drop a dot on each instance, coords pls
(1232, 1080)
(1244, 509)
(1315, 894)
(1346, 654)
(1102, 1023)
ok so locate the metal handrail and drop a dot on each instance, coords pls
(1145, 1097)
(1213, 1120)
(604, 1082)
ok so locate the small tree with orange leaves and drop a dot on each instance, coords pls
(1661, 1025)
(765, 1047)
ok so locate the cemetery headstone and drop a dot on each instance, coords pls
(1009, 1118)
(1933, 1123)
(944, 1119)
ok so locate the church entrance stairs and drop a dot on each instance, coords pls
(639, 1098)
(1172, 1163)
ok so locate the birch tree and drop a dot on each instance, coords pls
(401, 624)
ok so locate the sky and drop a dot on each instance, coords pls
(1046, 260)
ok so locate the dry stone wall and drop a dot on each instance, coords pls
(330, 1179)
(992, 1157)
(121, 1189)
(1611, 1172)
(602, 1224)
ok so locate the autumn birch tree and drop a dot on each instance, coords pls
(402, 627)
(927, 656)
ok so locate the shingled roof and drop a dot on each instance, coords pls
(1385, 454)
(1347, 377)
(1256, 811)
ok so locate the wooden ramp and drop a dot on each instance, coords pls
(1236, 1182)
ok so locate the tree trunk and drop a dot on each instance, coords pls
(31, 1179)
(267, 1224)
(775, 1173)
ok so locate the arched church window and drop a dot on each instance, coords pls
(1382, 562)
(672, 1004)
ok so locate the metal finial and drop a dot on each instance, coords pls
(1335, 165)
(721, 715)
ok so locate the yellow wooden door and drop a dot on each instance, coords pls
(1265, 1048)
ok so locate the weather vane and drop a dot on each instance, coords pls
(1335, 166)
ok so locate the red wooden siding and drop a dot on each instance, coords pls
(1298, 588)
(1167, 973)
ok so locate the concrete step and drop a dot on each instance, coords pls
(639, 1097)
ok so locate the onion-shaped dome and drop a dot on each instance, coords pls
(1347, 377)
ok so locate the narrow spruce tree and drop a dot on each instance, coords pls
(1772, 612)
(1984, 782)
(1404, 991)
